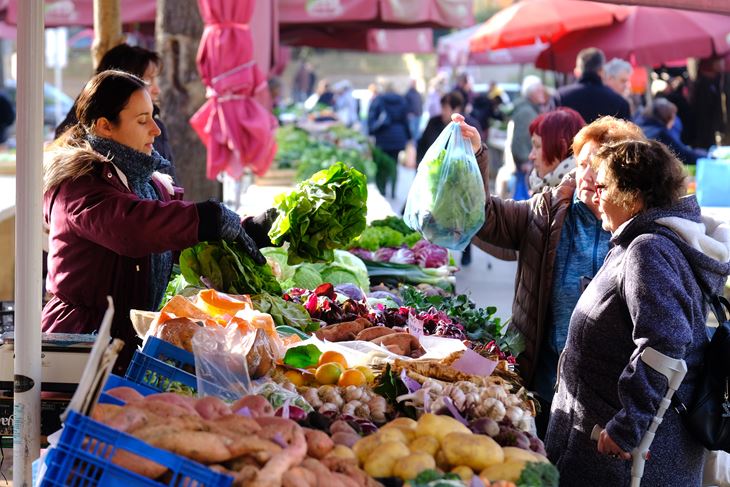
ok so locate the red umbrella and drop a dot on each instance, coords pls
(649, 36)
(378, 13)
(419, 40)
(525, 22)
(237, 130)
(453, 50)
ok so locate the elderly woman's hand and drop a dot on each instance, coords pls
(468, 131)
(609, 447)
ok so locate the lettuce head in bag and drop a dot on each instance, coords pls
(446, 200)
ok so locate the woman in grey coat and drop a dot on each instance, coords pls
(649, 293)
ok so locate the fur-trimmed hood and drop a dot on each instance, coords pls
(64, 163)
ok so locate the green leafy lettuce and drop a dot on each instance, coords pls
(324, 213)
(285, 313)
(226, 267)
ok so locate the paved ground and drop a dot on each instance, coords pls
(489, 281)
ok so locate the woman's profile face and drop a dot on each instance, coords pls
(136, 128)
(613, 215)
(150, 77)
(542, 167)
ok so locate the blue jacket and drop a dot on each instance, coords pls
(592, 99)
(388, 121)
(649, 293)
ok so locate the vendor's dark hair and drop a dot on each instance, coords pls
(105, 95)
(132, 59)
(642, 170)
(454, 99)
(590, 60)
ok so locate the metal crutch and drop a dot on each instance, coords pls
(674, 370)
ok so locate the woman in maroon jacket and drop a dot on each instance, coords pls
(113, 220)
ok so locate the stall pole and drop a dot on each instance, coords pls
(28, 227)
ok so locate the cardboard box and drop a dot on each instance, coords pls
(51, 410)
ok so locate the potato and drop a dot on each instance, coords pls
(441, 462)
(395, 434)
(464, 472)
(365, 446)
(319, 443)
(341, 451)
(425, 444)
(509, 471)
(381, 461)
(512, 453)
(475, 451)
(406, 423)
(439, 426)
(409, 467)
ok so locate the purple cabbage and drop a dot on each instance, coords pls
(403, 255)
(430, 255)
(351, 291)
(362, 253)
(384, 254)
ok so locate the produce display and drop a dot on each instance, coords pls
(328, 380)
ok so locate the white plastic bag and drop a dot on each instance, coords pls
(447, 199)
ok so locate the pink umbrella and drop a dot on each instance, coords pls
(81, 12)
(235, 127)
(453, 50)
(649, 36)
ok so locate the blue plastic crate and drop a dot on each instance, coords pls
(169, 353)
(157, 374)
(116, 381)
(160, 376)
(81, 459)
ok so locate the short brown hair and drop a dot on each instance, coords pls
(606, 130)
(642, 170)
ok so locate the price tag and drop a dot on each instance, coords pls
(415, 326)
(474, 364)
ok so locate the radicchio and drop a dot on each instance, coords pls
(362, 253)
(384, 254)
(430, 255)
(403, 255)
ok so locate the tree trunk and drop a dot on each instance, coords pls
(107, 28)
(179, 28)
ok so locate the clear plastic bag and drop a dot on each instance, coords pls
(446, 200)
(220, 361)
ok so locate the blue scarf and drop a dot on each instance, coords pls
(138, 168)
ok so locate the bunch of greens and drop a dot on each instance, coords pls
(390, 386)
(344, 269)
(480, 324)
(285, 313)
(394, 222)
(394, 273)
(377, 236)
(539, 474)
(226, 267)
(324, 213)
(434, 478)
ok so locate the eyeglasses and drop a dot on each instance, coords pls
(600, 189)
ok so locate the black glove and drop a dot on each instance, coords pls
(231, 228)
(258, 227)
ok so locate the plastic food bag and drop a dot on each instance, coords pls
(220, 361)
(446, 200)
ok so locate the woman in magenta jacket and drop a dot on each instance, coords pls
(114, 221)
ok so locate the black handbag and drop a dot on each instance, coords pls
(707, 415)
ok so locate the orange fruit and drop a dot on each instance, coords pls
(331, 356)
(328, 373)
(295, 377)
(367, 372)
(352, 377)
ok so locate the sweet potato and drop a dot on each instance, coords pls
(275, 468)
(405, 341)
(200, 446)
(350, 468)
(257, 405)
(104, 412)
(235, 425)
(374, 332)
(252, 444)
(319, 443)
(168, 404)
(299, 477)
(340, 332)
(128, 419)
(211, 407)
(126, 394)
(137, 464)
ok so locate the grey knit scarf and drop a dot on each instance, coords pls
(138, 168)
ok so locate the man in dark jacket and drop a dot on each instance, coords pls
(589, 96)
(415, 110)
(388, 123)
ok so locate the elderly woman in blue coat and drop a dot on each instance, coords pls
(649, 293)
